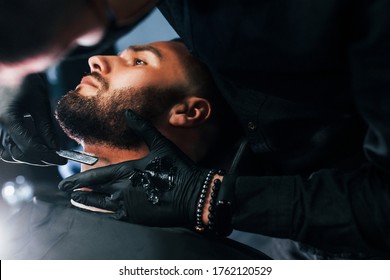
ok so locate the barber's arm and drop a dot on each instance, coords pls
(33, 143)
(336, 209)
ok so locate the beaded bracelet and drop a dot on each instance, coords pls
(213, 203)
(200, 227)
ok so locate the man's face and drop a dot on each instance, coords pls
(157, 65)
(147, 79)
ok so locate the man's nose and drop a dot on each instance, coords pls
(99, 64)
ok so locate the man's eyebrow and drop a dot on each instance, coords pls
(148, 48)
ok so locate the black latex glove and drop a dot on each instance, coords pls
(29, 139)
(161, 189)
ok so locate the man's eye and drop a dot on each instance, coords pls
(138, 61)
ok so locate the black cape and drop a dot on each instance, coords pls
(43, 230)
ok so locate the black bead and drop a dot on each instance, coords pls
(221, 172)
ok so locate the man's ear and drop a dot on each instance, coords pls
(190, 112)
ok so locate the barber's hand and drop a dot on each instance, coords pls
(161, 189)
(21, 142)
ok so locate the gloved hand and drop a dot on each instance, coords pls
(161, 189)
(22, 142)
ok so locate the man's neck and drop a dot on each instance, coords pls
(110, 155)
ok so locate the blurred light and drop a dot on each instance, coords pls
(20, 180)
(18, 191)
(8, 189)
(8, 193)
(69, 169)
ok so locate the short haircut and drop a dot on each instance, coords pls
(27, 27)
(201, 82)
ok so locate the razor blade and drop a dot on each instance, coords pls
(77, 156)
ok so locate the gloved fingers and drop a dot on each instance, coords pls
(19, 157)
(26, 148)
(42, 115)
(51, 158)
(45, 129)
(32, 138)
(158, 144)
(39, 157)
(145, 130)
(9, 149)
(5, 142)
(12, 154)
(96, 179)
(96, 202)
(6, 157)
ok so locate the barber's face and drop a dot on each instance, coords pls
(85, 30)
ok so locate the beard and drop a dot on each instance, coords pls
(100, 119)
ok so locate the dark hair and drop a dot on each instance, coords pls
(199, 77)
(28, 26)
(203, 84)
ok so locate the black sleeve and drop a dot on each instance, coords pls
(334, 209)
(331, 210)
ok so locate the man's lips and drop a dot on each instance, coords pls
(89, 80)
